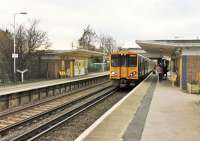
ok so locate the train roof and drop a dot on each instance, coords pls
(123, 52)
(129, 52)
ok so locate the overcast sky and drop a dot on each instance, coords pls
(125, 20)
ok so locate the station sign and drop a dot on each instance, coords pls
(14, 55)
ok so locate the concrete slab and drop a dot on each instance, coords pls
(50, 93)
(173, 116)
(43, 95)
(3, 103)
(13, 101)
(24, 99)
(63, 90)
(57, 91)
(34, 97)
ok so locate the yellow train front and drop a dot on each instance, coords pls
(127, 67)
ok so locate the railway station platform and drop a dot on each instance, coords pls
(16, 96)
(153, 111)
(22, 87)
(173, 115)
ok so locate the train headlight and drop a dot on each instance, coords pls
(113, 73)
(132, 74)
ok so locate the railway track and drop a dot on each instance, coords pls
(69, 113)
(17, 120)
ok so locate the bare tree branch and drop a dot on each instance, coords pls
(107, 43)
(27, 41)
(36, 38)
(87, 38)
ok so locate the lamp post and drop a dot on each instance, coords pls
(14, 55)
(103, 67)
(103, 60)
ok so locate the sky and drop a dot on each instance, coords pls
(124, 20)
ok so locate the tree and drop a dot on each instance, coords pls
(28, 40)
(87, 39)
(120, 48)
(35, 37)
(107, 44)
(6, 49)
(21, 47)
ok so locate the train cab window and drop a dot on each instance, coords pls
(132, 60)
(115, 60)
(123, 61)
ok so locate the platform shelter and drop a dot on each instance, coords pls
(55, 64)
(184, 56)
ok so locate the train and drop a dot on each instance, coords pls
(127, 67)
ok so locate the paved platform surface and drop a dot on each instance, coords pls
(24, 87)
(136, 126)
(173, 115)
(118, 118)
(151, 113)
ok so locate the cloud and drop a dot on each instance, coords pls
(125, 20)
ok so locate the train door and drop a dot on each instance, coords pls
(132, 66)
(145, 66)
(123, 68)
(115, 66)
(139, 66)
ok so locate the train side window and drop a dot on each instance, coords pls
(115, 60)
(132, 61)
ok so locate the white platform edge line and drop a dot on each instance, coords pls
(82, 136)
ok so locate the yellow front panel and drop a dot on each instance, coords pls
(116, 71)
(134, 71)
(124, 72)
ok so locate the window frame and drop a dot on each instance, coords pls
(116, 57)
(135, 61)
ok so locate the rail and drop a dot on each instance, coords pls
(65, 115)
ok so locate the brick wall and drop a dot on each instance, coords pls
(193, 67)
(190, 69)
(184, 72)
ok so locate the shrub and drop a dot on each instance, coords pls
(194, 82)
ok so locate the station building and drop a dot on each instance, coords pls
(184, 56)
(53, 64)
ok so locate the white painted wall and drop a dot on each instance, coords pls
(191, 51)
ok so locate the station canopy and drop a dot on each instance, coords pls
(166, 47)
(75, 53)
